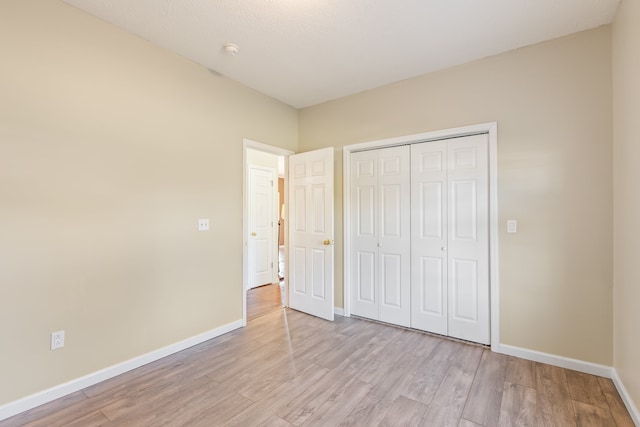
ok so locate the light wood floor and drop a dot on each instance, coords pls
(264, 299)
(286, 368)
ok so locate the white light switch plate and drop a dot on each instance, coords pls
(203, 224)
(512, 226)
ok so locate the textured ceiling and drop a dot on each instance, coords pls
(304, 52)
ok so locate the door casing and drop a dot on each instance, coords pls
(491, 129)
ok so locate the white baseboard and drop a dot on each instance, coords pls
(626, 398)
(339, 311)
(552, 359)
(40, 398)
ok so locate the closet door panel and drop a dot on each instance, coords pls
(394, 235)
(429, 309)
(468, 264)
(364, 234)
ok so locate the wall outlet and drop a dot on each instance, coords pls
(57, 340)
(203, 224)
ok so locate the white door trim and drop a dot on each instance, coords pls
(258, 146)
(491, 129)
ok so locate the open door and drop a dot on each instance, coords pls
(262, 208)
(311, 253)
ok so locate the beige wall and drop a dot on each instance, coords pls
(552, 102)
(626, 178)
(110, 151)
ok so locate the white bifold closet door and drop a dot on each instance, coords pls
(380, 235)
(450, 237)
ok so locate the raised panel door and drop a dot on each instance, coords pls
(311, 232)
(364, 234)
(429, 308)
(468, 248)
(261, 215)
(394, 240)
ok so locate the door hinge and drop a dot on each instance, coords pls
(271, 264)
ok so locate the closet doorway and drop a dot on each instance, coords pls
(421, 232)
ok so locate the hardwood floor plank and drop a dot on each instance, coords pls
(404, 412)
(393, 351)
(467, 423)
(265, 379)
(217, 414)
(485, 396)
(339, 404)
(521, 371)
(353, 342)
(429, 377)
(592, 416)
(265, 408)
(224, 371)
(373, 408)
(302, 407)
(447, 405)
(518, 406)
(554, 406)
(370, 411)
(397, 378)
(585, 388)
(374, 349)
(324, 347)
(51, 409)
(67, 415)
(272, 421)
(616, 405)
(156, 409)
(151, 394)
(94, 419)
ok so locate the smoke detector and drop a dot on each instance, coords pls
(231, 48)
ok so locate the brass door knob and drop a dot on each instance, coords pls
(254, 233)
(326, 242)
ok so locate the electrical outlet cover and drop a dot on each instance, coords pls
(57, 340)
(203, 224)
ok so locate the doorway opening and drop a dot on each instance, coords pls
(264, 286)
(268, 296)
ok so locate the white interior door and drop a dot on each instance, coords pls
(380, 239)
(261, 225)
(394, 238)
(311, 253)
(429, 237)
(468, 247)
